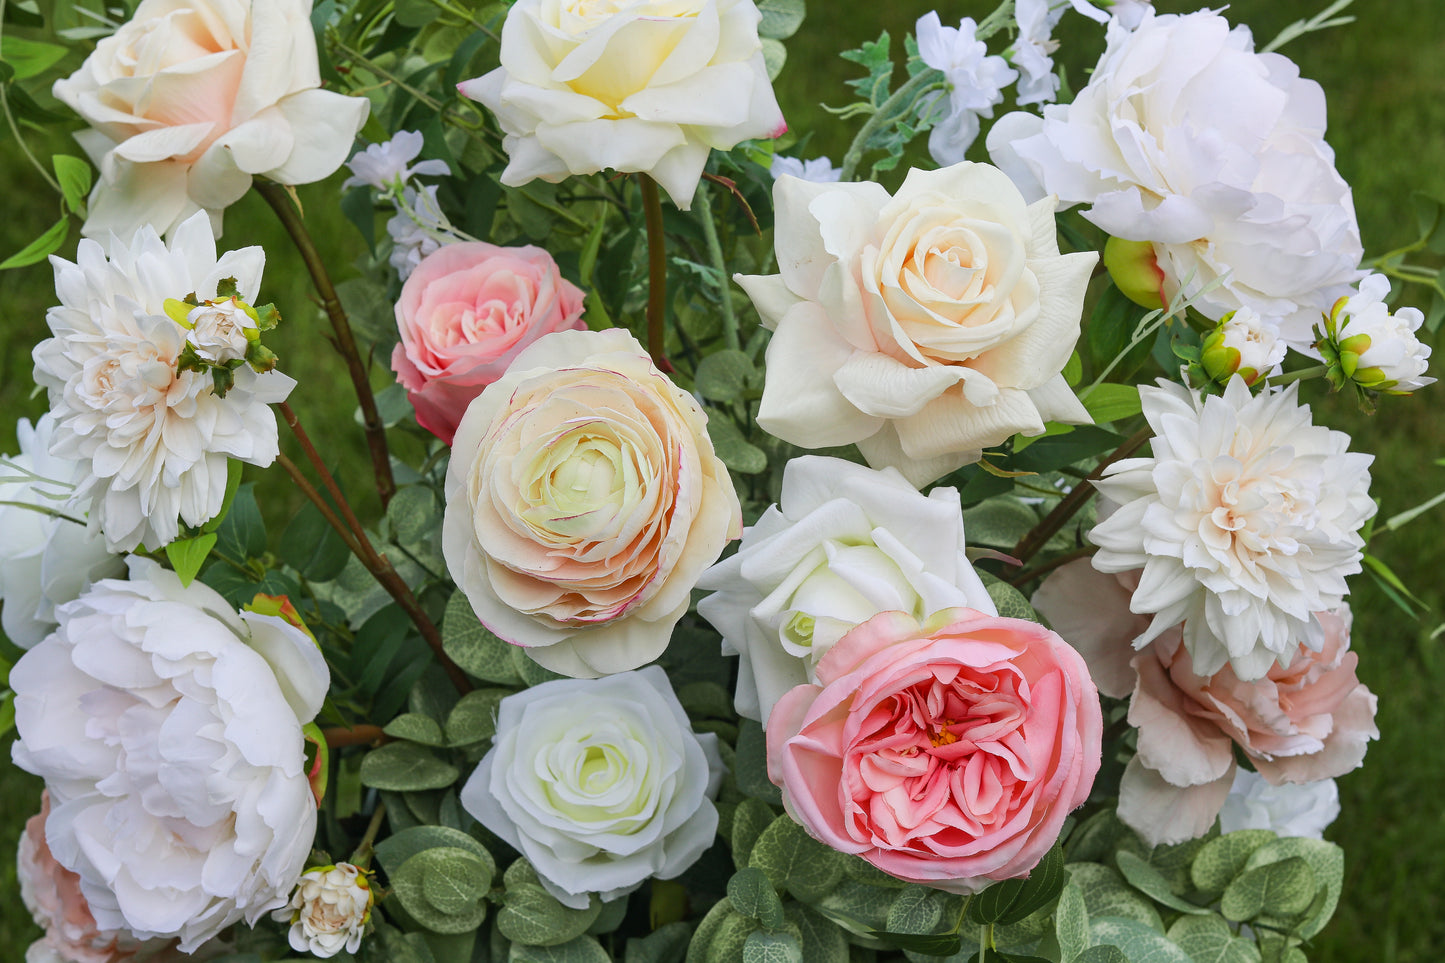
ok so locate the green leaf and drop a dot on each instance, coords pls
(7, 712)
(725, 375)
(415, 727)
(1112, 402)
(406, 768)
(751, 764)
(916, 910)
(774, 56)
(751, 817)
(413, 515)
(1152, 883)
(396, 849)
(732, 448)
(1012, 900)
(29, 58)
(1102, 954)
(781, 18)
(1209, 939)
(999, 522)
(795, 861)
(444, 889)
(1279, 889)
(40, 248)
(665, 945)
(764, 947)
(581, 949)
(474, 717)
(1059, 451)
(472, 646)
(187, 555)
(1326, 860)
(312, 547)
(1224, 858)
(823, 941)
(242, 535)
(532, 916)
(1071, 922)
(752, 894)
(1009, 601)
(1140, 942)
(1106, 894)
(74, 176)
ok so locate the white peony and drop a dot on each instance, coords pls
(1387, 355)
(1187, 138)
(843, 544)
(167, 728)
(191, 98)
(975, 83)
(1289, 809)
(152, 441)
(1245, 522)
(627, 85)
(329, 910)
(47, 555)
(387, 165)
(600, 783)
(925, 326)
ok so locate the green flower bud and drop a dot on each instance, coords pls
(1135, 270)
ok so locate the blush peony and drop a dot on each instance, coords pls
(925, 326)
(192, 98)
(583, 501)
(465, 313)
(947, 753)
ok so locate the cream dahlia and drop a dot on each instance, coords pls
(1245, 522)
(152, 440)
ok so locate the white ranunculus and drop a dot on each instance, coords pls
(1289, 809)
(975, 83)
(925, 326)
(47, 554)
(387, 165)
(191, 98)
(600, 783)
(843, 544)
(1389, 355)
(627, 85)
(219, 330)
(1187, 138)
(152, 441)
(1245, 522)
(328, 911)
(167, 727)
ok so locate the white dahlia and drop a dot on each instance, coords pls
(152, 440)
(1244, 522)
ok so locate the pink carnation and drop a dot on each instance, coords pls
(946, 753)
(464, 314)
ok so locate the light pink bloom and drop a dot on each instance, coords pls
(464, 314)
(946, 753)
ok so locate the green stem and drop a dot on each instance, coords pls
(719, 264)
(14, 127)
(886, 114)
(1303, 374)
(362, 857)
(656, 273)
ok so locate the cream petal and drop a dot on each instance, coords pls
(877, 385)
(884, 450)
(801, 404)
(770, 296)
(324, 124)
(1165, 814)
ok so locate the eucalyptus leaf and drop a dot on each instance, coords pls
(403, 767)
(1139, 942)
(795, 861)
(752, 894)
(532, 916)
(473, 647)
(767, 947)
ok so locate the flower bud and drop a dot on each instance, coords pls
(221, 331)
(1241, 343)
(1365, 344)
(1135, 269)
(329, 910)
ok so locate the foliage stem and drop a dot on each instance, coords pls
(1037, 537)
(309, 490)
(719, 264)
(339, 736)
(1029, 574)
(885, 114)
(345, 341)
(656, 274)
(1303, 374)
(362, 856)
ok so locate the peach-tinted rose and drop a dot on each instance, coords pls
(584, 500)
(465, 313)
(1308, 721)
(946, 753)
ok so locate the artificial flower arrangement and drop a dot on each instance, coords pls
(783, 577)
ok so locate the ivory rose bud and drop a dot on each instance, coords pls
(843, 544)
(191, 98)
(924, 327)
(464, 314)
(221, 331)
(946, 753)
(630, 85)
(583, 501)
(329, 910)
(1242, 343)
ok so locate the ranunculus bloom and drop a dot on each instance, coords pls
(600, 783)
(1302, 722)
(465, 313)
(328, 911)
(47, 554)
(583, 501)
(843, 544)
(946, 753)
(1187, 138)
(167, 728)
(926, 326)
(153, 442)
(192, 98)
(630, 85)
(1245, 522)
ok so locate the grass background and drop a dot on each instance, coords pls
(1385, 84)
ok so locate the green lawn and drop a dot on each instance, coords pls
(1386, 90)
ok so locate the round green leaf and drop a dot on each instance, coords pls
(532, 916)
(795, 861)
(470, 645)
(1279, 889)
(752, 894)
(405, 767)
(443, 889)
(1224, 858)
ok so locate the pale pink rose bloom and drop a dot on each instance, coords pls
(1309, 721)
(946, 753)
(465, 313)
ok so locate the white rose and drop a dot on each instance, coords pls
(600, 783)
(1187, 138)
(167, 728)
(1244, 343)
(843, 544)
(219, 330)
(329, 910)
(630, 85)
(584, 499)
(1389, 357)
(924, 327)
(1289, 809)
(191, 98)
(47, 555)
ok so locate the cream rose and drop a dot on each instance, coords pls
(926, 326)
(192, 97)
(631, 85)
(583, 502)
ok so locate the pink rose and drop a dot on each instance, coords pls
(464, 314)
(1299, 724)
(946, 753)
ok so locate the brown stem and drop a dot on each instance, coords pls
(309, 490)
(656, 274)
(345, 341)
(332, 488)
(1039, 535)
(1029, 574)
(339, 736)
